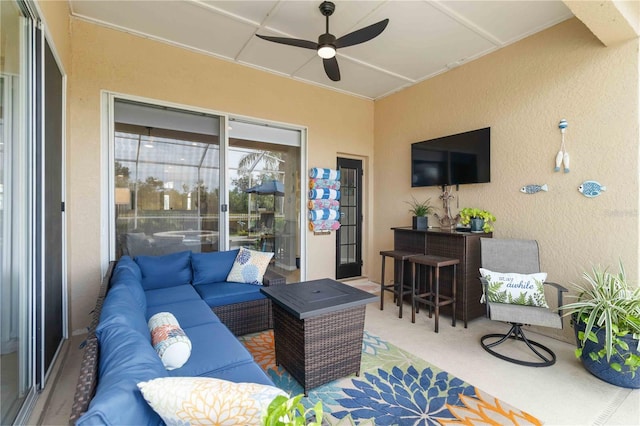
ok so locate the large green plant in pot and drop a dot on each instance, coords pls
(606, 320)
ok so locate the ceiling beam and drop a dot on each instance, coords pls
(611, 21)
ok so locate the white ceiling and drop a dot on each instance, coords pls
(423, 38)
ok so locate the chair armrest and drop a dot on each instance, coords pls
(561, 289)
(557, 286)
(272, 278)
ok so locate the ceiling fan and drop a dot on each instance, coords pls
(328, 44)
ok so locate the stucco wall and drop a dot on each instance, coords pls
(522, 92)
(104, 59)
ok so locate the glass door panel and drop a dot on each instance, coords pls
(264, 193)
(16, 213)
(167, 180)
(349, 236)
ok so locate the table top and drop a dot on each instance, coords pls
(312, 298)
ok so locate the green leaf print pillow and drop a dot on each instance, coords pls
(516, 289)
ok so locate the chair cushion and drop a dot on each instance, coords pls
(212, 267)
(529, 315)
(169, 270)
(249, 266)
(205, 400)
(226, 293)
(517, 289)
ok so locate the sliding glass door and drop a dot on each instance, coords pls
(167, 180)
(181, 183)
(264, 192)
(17, 153)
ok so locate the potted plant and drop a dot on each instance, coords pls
(606, 321)
(420, 210)
(290, 411)
(480, 220)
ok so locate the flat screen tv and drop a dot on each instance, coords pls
(452, 160)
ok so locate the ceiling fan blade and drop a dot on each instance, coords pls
(362, 35)
(291, 42)
(331, 68)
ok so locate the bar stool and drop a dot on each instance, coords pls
(397, 288)
(432, 298)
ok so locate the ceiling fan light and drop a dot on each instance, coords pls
(326, 52)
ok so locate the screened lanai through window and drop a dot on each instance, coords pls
(166, 190)
(168, 182)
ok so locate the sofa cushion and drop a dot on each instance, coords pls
(165, 271)
(126, 267)
(169, 340)
(242, 373)
(188, 313)
(213, 347)
(125, 361)
(120, 310)
(134, 287)
(226, 293)
(162, 296)
(249, 266)
(205, 400)
(212, 267)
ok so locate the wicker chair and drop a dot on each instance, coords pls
(517, 256)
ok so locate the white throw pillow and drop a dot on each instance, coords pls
(249, 266)
(206, 400)
(169, 340)
(516, 289)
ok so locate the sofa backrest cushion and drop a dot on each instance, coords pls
(120, 309)
(212, 267)
(135, 288)
(125, 361)
(126, 267)
(169, 270)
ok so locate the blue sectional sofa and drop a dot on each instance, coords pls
(119, 353)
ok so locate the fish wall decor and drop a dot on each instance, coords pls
(591, 188)
(533, 189)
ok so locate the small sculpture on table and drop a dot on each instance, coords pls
(446, 221)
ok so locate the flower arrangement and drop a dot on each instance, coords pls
(468, 213)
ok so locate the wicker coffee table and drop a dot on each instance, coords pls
(318, 328)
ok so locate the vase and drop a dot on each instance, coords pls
(477, 224)
(601, 367)
(420, 223)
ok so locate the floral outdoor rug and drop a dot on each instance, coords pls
(394, 388)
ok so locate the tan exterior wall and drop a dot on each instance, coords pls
(108, 60)
(522, 92)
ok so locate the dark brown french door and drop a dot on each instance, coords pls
(349, 236)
